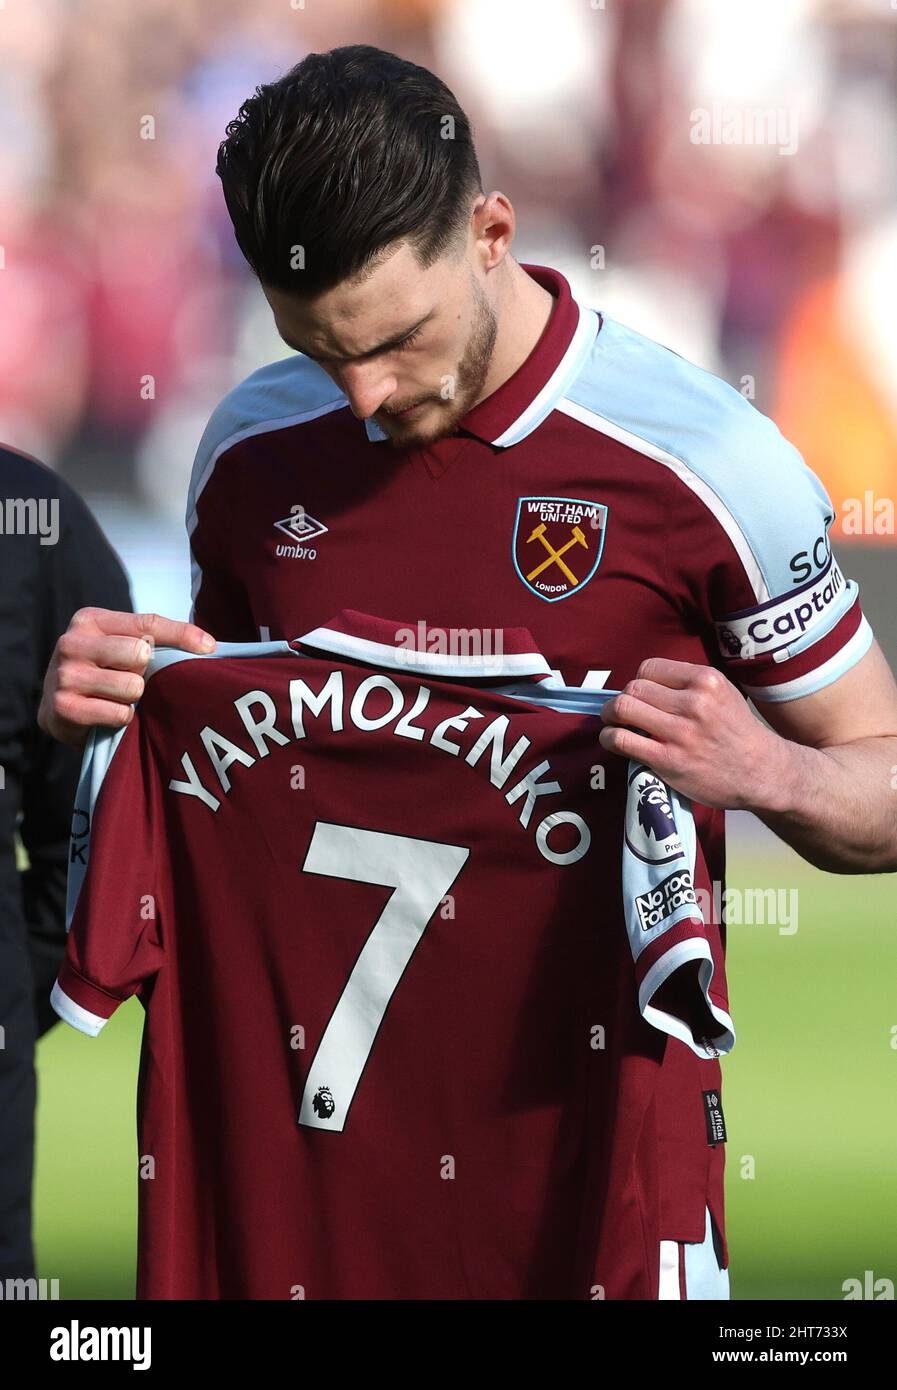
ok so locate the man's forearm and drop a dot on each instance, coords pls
(836, 806)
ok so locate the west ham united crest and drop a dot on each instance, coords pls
(557, 544)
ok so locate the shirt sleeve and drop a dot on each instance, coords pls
(82, 569)
(750, 550)
(219, 603)
(114, 946)
(219, 600)
(671, 919)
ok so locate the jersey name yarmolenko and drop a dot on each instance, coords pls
(331, 711)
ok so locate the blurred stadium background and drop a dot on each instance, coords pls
(769, 261)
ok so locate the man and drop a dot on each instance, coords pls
(53, 560)
(461, 442)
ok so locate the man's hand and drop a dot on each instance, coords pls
(96, 671)
(691, 725)
(824, 777)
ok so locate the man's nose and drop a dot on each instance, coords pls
(366, 385)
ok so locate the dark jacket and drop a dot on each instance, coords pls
(41, 585)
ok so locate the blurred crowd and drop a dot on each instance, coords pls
(721, 176)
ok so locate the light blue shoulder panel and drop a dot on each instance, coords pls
(755, 481)
(279, 394)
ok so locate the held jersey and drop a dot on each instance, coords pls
(412, 946)
(613, 498)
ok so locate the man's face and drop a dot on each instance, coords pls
(405, 337)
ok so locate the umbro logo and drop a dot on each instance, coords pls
(300, 527)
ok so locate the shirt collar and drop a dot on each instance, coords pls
(468, 653)
(522, 402)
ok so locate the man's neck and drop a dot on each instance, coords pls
(523, 310)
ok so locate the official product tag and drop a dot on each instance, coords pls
(713, 1114)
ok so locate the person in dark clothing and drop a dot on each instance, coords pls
(54, 559)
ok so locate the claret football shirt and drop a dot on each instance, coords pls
(614, 499)
(412, 947)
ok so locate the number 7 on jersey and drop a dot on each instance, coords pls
(421, 872)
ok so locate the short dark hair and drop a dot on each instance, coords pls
(346, 154)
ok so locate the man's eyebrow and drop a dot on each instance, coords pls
(372, 352)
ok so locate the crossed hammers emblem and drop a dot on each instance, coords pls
(554, 556)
